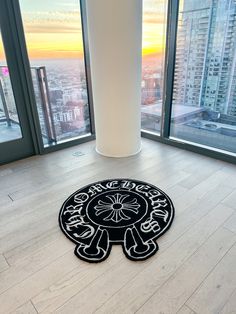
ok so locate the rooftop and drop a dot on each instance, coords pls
(177, 112)
(9, 133)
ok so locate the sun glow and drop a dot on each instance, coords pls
(53, 30)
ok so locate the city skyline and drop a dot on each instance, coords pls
(204, 94)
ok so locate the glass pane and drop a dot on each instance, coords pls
(9, 121)
(154, 39)
(55, 47)
(204, 96)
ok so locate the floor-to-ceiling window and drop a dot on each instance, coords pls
(188, 78)
(54, 41)
(154, 39)
(9, 121)
(204, 95)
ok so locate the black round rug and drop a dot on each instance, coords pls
(116, 211)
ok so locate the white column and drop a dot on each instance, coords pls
(115, 42)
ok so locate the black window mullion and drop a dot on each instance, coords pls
(12, 45)
(172, 24)
(87, 63)
(22, 63)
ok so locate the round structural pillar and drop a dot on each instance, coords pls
(115, 42)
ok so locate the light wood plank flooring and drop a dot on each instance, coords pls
(193, 271)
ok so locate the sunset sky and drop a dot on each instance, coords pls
(53, 30)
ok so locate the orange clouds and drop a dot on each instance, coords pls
(2, 54)
(154, 26)
(53, 34)
(58, 34)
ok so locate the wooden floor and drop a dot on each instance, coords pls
(194, 270)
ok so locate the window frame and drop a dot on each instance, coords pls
(164, 137)
(16, 25)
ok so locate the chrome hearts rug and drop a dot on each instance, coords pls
(116, 211)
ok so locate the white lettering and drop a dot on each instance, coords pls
(81, 198)
(96, 188)
(112, 185)
(127, 185)
(150, 225)
(142, 189)
(73, 210)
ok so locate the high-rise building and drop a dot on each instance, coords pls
(205, 72)
(151, 90)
